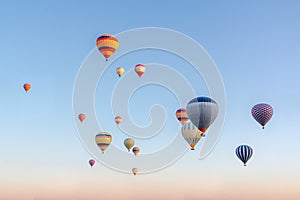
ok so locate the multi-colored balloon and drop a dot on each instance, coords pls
(107, 44)
(103, 140)
(182, 116)
(140, 69)
(262, 113)
(136, 150)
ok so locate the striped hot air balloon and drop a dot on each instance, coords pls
(107, 44)
(103, 140)
(182, 116)
(262, 113)
(140, 69)
(191, 134)
(202, 111)
(136, 150)
(244, 153)
(118, 119)
(27, 87)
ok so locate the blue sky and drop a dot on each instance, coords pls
(254, 44)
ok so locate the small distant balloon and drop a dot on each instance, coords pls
(107, 44)
(135, 171)
(118, 119)
(129, 143)
(103, 140)
(244, 153)
(202, 111)
(120, 71)
(262, 113)
(81, 117)
(27, 87)
(182, 116)
(92, 162)
(140, 69)
(136, 150)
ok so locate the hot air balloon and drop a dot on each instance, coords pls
(244, 153)
(27, 87)
(92, 162)
(136, 150)
(191, 134)
(118, 119)
(135, 171)
(202, 111)
(182, 116)
(129, 142)
(81, 117)
(140, 69)
(103, 140)
(120, 71)
(262, 113)
(107, 45)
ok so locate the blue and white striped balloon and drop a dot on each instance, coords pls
(191, 134)
(244, 153)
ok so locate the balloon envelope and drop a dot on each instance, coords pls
(182, 116)
(191, 134)
(202, 111)
(27, 87)
(129, 142)
(140, 69)
(136, 150)
(135, 171)
(81, 117)
(92, 162)
(262, 113)
(107, 44)
(120, 71)
(103, 140)
(118, 119)
(244, 153)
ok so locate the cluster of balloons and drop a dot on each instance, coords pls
(262, 113)
(199, 114)
(107, 44)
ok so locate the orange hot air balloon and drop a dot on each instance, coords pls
(182, 116)
(81, 117)
(140, 69)
(27, 87)
(118, 119)
(107, 45)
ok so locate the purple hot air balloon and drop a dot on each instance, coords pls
(92, 162)
(262, 113)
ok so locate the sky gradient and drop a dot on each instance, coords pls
(255, 45)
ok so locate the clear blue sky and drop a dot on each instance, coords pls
(255, 45)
